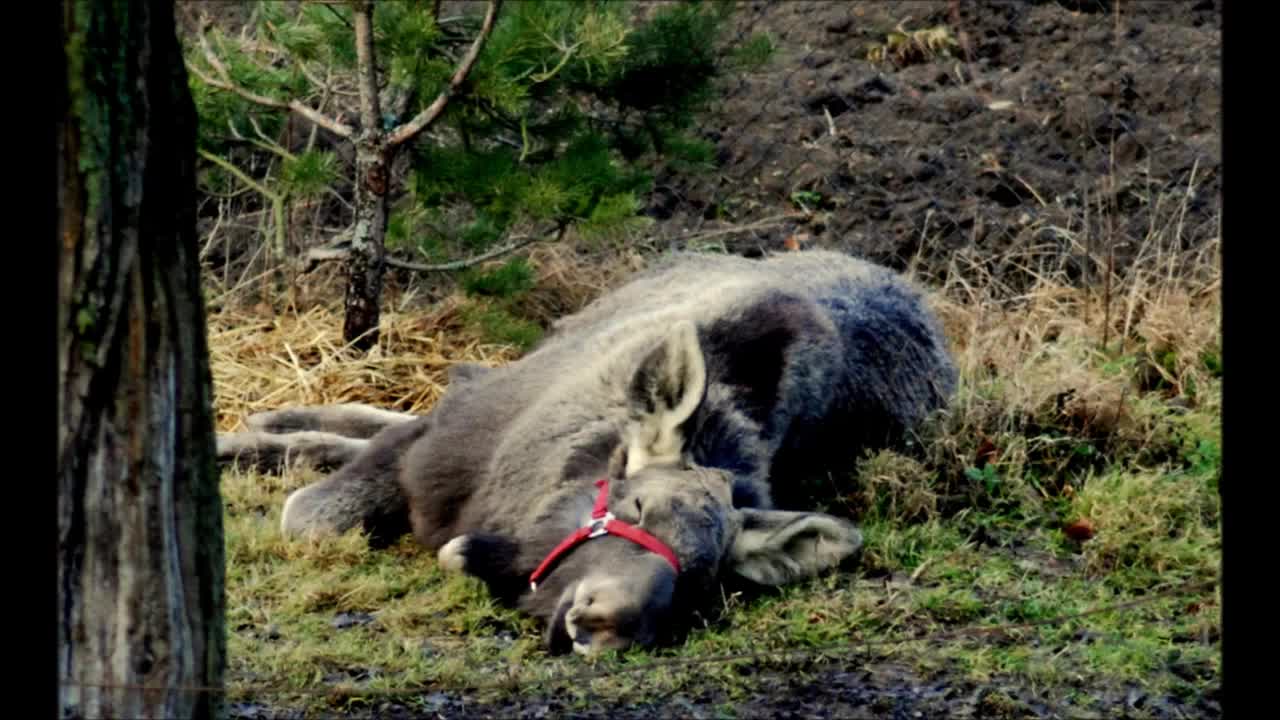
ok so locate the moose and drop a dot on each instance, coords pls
(652, 445)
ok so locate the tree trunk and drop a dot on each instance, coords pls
(368, 246)
(140, 554)
(373, 167)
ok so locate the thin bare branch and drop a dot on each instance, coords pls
(323, 121)
(226, 83)
(316, 256)
(335, 13)
(324, 99)
(765, 224)
(238, 173)
(366, 72)
(518, 243)
(410, 129)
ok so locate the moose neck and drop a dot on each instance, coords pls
(722, 437)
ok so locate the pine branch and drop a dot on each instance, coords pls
(226, 83)
(410, 129)
(280, 51)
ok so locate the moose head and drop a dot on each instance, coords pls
(663, 530)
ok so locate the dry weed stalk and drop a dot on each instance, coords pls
(1039, 379)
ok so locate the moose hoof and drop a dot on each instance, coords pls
(452, 556)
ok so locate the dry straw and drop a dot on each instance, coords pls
(299, 358)
(262, 361)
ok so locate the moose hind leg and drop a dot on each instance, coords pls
(351, 420)
(271, 453)
(364, 493)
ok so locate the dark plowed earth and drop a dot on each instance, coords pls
(1056, 117)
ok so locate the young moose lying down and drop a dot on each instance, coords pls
(610, 478)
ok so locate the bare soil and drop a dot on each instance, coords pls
(1059, 114)
(861, 690)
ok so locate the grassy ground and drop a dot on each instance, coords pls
(1076, 470)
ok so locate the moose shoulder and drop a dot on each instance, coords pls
(653, 442)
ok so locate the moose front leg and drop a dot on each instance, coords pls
(488, 557)
(269, 452)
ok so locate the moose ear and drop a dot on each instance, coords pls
(774, 547)
(667, 387)
(617, 463)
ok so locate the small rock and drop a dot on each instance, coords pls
(435, 701)
(1135, 699)
(345, 620)
(1128, 149)
(840, 26)
(1088, 636)
(817, 60)
(249, 711)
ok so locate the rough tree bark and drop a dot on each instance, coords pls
(373, 160)
(140, 553)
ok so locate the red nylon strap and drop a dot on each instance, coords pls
(601, 508)
(603, 523)
(578, 536)
(643, 539)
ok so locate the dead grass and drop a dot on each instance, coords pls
(893, 485)
(1063, 379)
(299, 358)
(908, 47)
(570, 276)
(263, 360)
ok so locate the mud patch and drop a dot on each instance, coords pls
(848, 690)
(1059, 126)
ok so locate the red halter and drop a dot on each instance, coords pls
(603, 523)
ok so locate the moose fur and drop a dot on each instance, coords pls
(707, 389)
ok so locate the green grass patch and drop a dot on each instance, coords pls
(334, 613)
(497, 324)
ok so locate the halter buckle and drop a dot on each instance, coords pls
(597, 525)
